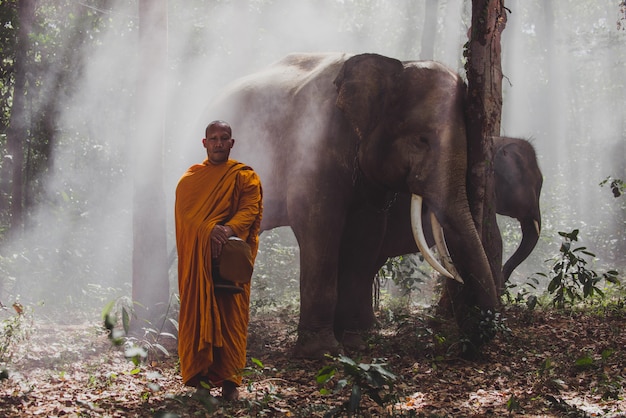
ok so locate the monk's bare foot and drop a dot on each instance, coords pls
(229, 391)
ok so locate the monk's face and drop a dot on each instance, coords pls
(218, 143)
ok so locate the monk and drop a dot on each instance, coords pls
(215, 200)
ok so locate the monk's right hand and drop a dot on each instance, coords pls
(219, 237)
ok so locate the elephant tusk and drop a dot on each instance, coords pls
(537, 227)
(442, 248)
(420, 240)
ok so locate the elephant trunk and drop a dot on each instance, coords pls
(466, 250)
(531, 228)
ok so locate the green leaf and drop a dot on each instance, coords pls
(325, 374)
(554, 283)
(346, 360)
(125, 320)
(174, 322)
(110, 320)
(584, 361)
(355, 398)
(107, 309)
(162, 349)
(257, 362)
(607, 353)
(512, 404)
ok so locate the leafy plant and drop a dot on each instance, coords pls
(525, 295)
(136, 348)
(261, 403)
(407, 272)
(573, 281)
(12, 331)
(485, 325)
(492, 323)
(618, 187)
(370, 379)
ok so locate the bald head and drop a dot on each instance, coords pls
(218, 141)
(218, 123)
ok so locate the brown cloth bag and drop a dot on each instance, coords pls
(235, 263)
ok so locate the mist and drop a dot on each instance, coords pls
(563, 89)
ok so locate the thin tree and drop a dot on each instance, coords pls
(429, 33)
(8, 13)
(150, 286)
(18, 132)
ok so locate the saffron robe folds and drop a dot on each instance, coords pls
(213, 326)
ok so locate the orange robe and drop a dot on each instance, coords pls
(213, 326)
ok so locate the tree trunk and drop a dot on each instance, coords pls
(484, 106)
(17, 133)
(150, 270)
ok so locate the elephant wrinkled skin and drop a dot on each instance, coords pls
(518, 182)
(334, 138)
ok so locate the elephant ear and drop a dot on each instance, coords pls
(364, 85)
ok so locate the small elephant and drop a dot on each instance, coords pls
(335, 138)
(518, 182)
(518, 188)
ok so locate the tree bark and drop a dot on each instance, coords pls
(484, 109)
(484, 106)
(150, 285)
(18, 132)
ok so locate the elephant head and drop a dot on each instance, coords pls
(409, 119)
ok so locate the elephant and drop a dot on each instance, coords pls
(518, 182)
(335, 137)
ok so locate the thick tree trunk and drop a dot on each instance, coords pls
(150, 269)
(484, 108)
(484, 105)
(17, 133)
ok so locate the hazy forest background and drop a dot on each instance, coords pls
(92, 133)
(66, 217)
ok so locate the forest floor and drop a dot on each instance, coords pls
(550, 364)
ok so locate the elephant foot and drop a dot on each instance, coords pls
(353, 340)
(314, 345)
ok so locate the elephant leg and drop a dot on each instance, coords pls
(318, 296)
(360, 248)
(356, 308)
(317, 225)
(354, 315)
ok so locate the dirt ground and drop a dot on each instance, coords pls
(550, 364)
